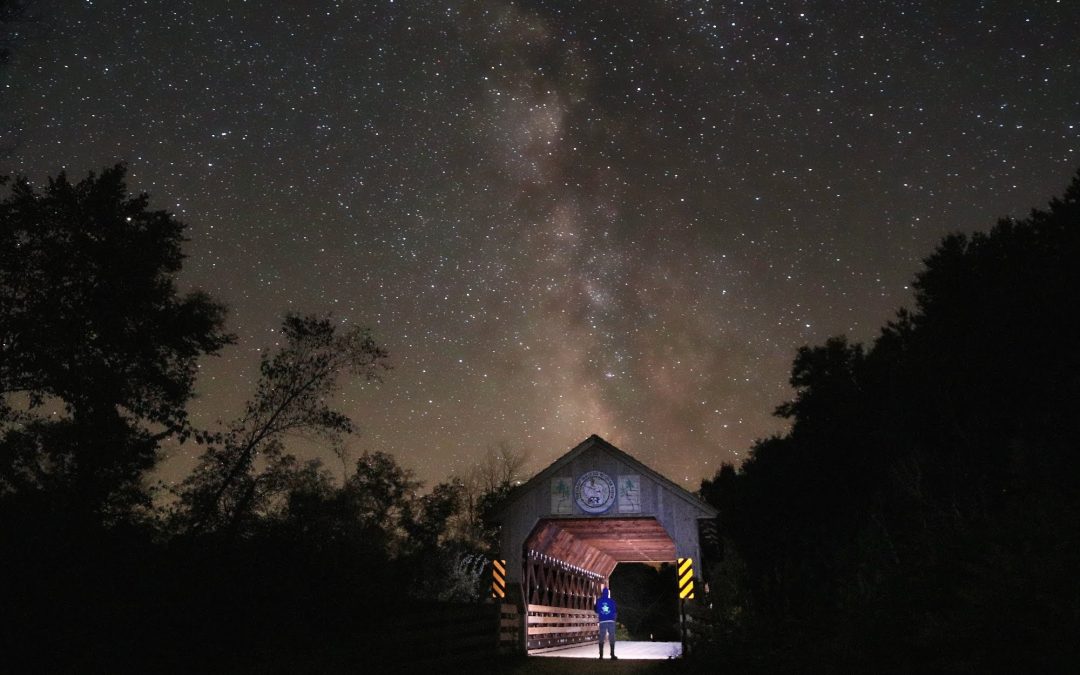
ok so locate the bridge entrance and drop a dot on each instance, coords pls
(568, 561)
(565, 530)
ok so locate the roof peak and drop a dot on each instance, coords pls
(595, 440)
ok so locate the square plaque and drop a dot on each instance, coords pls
(562, 498)
(629, 494)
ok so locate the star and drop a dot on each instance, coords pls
(560, 218)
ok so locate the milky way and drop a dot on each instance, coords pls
(561, 218)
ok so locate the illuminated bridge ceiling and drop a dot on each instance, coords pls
(598, 544)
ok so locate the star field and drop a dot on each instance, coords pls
(560, 218)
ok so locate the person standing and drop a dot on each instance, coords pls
(606, 612)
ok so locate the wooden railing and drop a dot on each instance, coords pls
(435, 634)
(509, 629)
(553, 627)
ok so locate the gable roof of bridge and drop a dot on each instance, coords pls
(594, 441)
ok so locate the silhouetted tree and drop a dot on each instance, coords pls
(484, 487)
(922, 505)
(98, 349)
(647, 607)
(247, 467)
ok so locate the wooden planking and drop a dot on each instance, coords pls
(442, 634)
(537, 620)
(597, 544)
(562, 630)
(549, 582)
(550, 626)
(670, 505)
(509, 628)
(552, 609)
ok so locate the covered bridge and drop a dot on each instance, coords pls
(565, 530)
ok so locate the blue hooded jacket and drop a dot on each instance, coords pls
(605, 607)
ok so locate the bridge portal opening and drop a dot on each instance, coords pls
(564, 531)
(568, 560)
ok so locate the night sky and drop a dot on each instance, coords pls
(561, 218)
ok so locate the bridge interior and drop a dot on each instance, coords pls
(596, 545)
(568, 560)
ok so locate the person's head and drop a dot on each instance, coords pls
(606, 593)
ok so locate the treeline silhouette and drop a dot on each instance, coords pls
(921, 515)
(257, 561)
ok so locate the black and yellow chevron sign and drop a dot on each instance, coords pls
(686, 578)
(498, 578)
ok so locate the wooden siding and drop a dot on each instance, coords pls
(529, 516)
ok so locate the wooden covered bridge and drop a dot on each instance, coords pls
(565, 530)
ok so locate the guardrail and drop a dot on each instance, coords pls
(554, 627)
(509, 629)
(437, 635)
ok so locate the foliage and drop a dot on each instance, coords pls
(921, 503)
(648, 609)
(259, 549)
(292, 397)
(484, 488)
(98, 350)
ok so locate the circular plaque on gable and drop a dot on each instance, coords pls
(594, 492)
